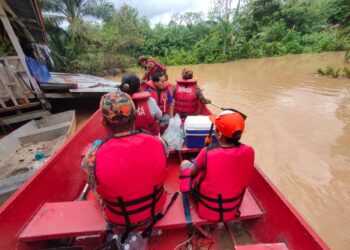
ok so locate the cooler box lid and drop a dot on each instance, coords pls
(197, 123)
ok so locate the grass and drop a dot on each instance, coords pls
(346, 72)
(335, 73)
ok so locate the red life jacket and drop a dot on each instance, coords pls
(219, 189)
(144, 118)
(131, 187)
(163, 97)
(157, 67)
(186, 102)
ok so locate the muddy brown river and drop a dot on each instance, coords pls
(299, 124)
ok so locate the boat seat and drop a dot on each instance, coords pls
(272, 246)
(77, 218)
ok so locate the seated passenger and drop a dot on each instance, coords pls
(188, 95)
(220, 173)
(147, 110)
(127, 170)
(162, 91)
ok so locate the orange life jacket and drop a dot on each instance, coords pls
(163, 97)
(219, 188)
(186, 102)
(144, 118)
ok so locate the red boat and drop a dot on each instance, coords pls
(46, 210)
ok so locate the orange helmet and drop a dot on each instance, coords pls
(231, 124)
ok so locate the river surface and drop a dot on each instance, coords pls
(299, 125)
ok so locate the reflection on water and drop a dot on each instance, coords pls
(299, 125)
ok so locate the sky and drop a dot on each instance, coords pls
(162, 10)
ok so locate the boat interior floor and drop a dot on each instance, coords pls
(58, 220)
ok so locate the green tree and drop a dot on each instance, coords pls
(6, 49)
(73, 11)
(340, 12)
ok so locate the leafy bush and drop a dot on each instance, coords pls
(258, 28)
(6, 49)
(346, 72)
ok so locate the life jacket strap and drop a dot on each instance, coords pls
(147, 232)
(155, 197)
(184, 176)
(220, 201)
(139, 200)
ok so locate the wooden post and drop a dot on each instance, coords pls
(18, 48)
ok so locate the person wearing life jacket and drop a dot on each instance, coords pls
(147, 111)
(127, 169)
(220, 173)
(188, 96)
(162, 91)
(151, 68)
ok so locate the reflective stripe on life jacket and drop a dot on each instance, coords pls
(130, 172)
(144, 118)
(163, 97)
(186, 101)
(219, 188)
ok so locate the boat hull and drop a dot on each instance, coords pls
(62, 179)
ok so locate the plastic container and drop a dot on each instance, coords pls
(197, 128)
(136, 242)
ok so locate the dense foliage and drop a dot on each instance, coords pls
(253, 28)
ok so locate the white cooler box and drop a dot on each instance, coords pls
(196, 129)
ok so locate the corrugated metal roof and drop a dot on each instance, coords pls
(27, 14)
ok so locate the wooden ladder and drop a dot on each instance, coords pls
(16, 96)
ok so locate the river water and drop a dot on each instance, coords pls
(299, 125)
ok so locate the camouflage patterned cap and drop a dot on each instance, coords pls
(117, 108)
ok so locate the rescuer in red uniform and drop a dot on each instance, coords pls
(187, 95)
(127, 169)
(221, 172)
(147, 111)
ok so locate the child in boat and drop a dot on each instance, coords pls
(147, 111)
(116, 168)
(162, 91)
(188, 96)
(221, 172)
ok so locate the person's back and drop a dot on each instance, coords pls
(187, 95)
(147, 110)
(186, 102)
(122, 173)
(221, 172)
(127, 169)
(227, 173)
